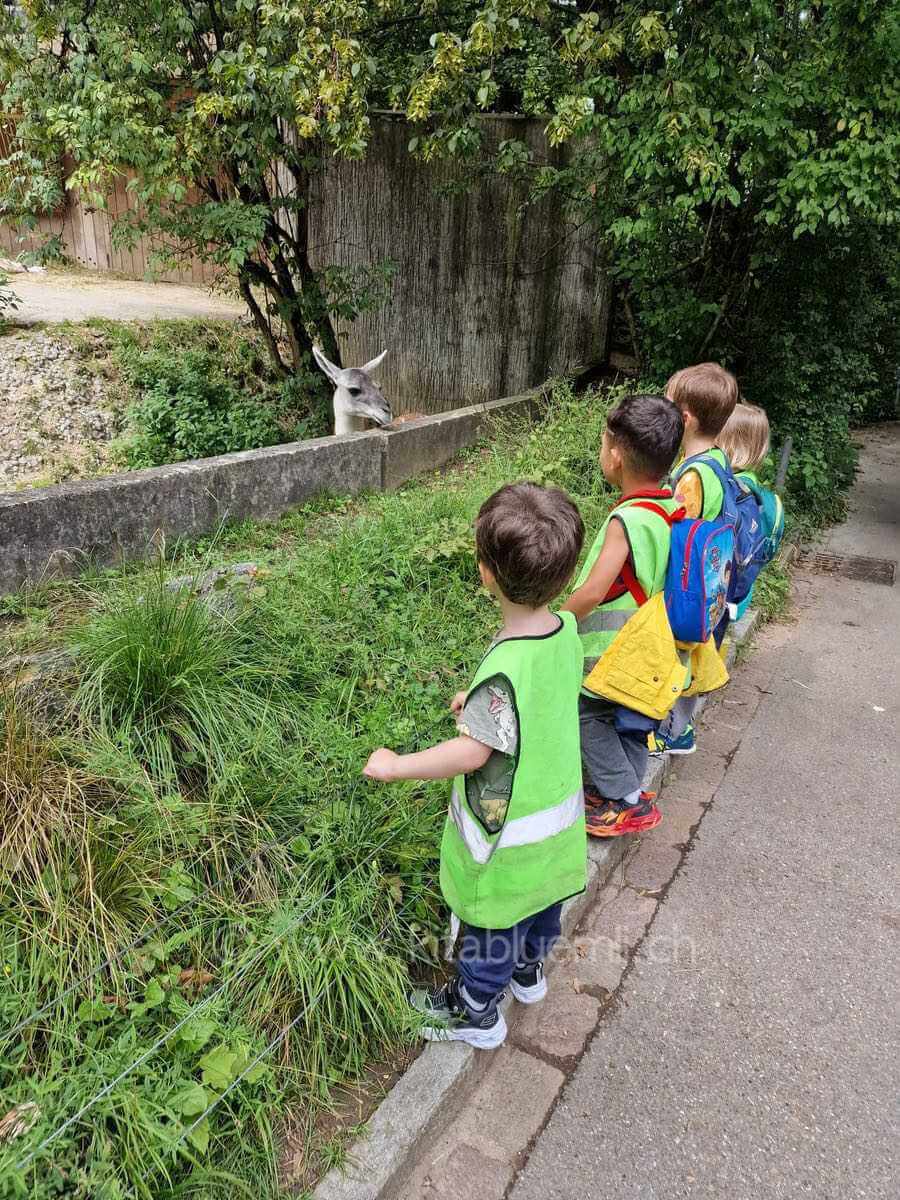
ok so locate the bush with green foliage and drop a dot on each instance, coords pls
(188, 408)
(194, 389)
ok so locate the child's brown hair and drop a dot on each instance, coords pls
(530, 538)
(745, 437)
(708, 392)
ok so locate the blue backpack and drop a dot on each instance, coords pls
(741, 509)
(771, 516)
(698, 573)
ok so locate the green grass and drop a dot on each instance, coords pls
(206, 774)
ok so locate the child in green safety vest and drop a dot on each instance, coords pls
(705, 395)
(639, 445)
(514, 846)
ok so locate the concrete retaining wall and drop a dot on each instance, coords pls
(53, 531)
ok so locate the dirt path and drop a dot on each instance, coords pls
(77, 296)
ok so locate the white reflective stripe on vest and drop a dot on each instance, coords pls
(523, 831)
(605, 622)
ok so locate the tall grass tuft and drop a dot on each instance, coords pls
(185, 689)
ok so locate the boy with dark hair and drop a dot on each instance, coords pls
(639, 445)
(514, 846)
(705, 395)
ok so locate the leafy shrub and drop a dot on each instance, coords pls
(187, 408)
(195, 389)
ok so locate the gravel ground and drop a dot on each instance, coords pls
(56, 419)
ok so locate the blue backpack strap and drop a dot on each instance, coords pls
(686, 465)
(729, 483)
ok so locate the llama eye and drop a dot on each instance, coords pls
(354, 391)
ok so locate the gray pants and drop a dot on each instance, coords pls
(682, 714)
(613, 759)
(679, 718)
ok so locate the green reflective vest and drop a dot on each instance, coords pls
(649, 538)
(713, 496)
(539, 855)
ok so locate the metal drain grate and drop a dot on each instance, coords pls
(851, 566)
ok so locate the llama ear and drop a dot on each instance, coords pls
(374, 363)
(327, 366)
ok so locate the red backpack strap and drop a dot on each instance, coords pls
(627, 574)
(630, 580)
(670, 518)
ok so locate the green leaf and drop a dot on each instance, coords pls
(94, 1010)
(191, 1100)
(199, 1136)
(154, 995)
(218, 1067)
(196, 1033)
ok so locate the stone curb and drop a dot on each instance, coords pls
(425, 1092)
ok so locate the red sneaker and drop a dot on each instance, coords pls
(612, 818)
(644, 815)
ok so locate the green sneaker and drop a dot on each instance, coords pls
(685, 743)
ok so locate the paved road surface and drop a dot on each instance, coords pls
(78, 296)
(767, 1067)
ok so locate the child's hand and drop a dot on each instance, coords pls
(456, 704)
(382, 765)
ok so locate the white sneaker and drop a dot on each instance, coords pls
(528, 984)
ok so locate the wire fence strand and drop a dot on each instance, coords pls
(116, 956)
(207, 1000)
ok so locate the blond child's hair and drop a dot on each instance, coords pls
(745, 437)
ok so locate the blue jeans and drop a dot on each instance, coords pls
(488, 957)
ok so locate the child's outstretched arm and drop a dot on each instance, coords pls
(459, 756)
(603, 575)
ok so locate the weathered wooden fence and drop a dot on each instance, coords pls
(491, 295)
(85, 234)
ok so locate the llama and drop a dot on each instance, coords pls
(357, 400)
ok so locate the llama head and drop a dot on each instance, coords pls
(356, 397)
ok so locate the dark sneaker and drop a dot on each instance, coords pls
(592, 798)
(685, 743)
(528, 984)
(614, 818)
(457, 1021)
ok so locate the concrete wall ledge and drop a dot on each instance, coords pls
(428, 442)
(56, 531)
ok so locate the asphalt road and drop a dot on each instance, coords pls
(763, 1061)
